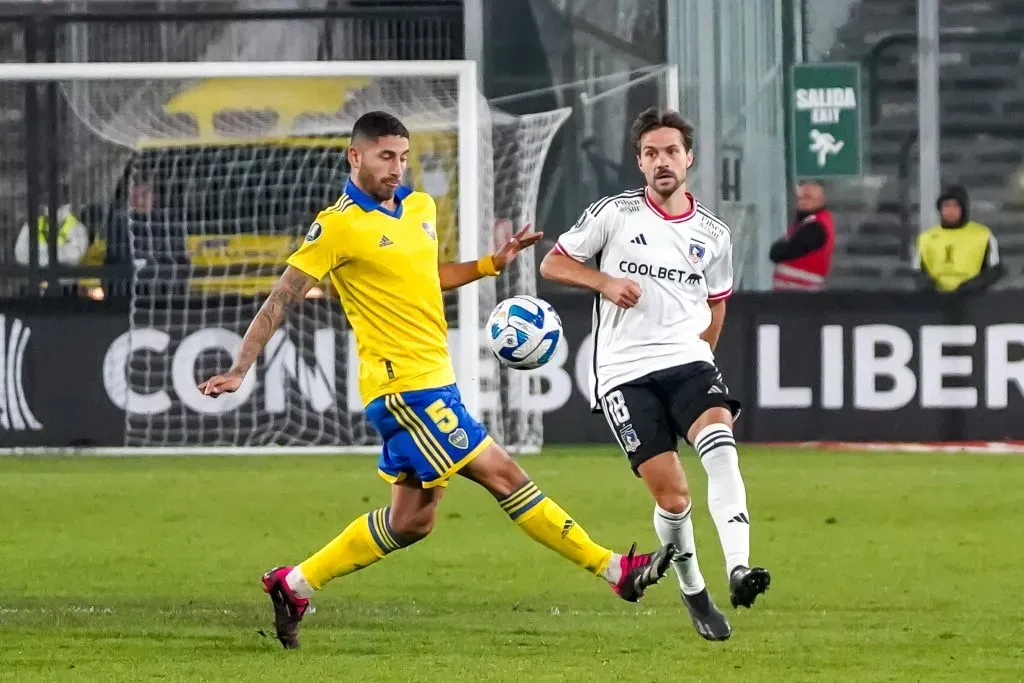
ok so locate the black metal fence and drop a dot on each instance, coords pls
(881, 52)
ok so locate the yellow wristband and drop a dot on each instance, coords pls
(486, 266)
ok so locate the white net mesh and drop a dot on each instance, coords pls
(213, 183)
(520, 148)
(13, 185)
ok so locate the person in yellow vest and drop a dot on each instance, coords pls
(958, 254)
(73, 243)
(72, 239)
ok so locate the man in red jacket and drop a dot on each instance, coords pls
(804, 256)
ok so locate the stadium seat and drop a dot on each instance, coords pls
(981, 82)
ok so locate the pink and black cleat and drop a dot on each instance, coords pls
(288, 607)
(641, 571)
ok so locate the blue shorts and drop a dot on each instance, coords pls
(428, 434)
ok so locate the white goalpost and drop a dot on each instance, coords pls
(219, 168)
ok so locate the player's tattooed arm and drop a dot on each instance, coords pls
(291, 287)
(714, 330)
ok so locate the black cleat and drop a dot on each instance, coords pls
(709, 621)
(288, 607)
(642, 571)
(746, 583)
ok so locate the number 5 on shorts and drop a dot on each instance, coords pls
(443, 416)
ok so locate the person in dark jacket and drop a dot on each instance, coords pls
(958, 254)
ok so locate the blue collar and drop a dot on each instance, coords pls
(368, 203)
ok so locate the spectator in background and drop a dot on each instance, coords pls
(958, 254)
(72, 239)
(804, 256)
(72, 242)
(138, 204)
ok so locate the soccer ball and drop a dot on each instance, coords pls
(524, 332)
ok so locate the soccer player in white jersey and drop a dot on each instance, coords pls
(663, 274)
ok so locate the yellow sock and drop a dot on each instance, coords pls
(367, 539)
(545, 522)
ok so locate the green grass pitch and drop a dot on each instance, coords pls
(885, 567)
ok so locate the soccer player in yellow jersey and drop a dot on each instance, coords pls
(379, 244)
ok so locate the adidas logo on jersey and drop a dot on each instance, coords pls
(639, 239)
(384, 241)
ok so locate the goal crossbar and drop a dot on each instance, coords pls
(133, 71)
(464, 72)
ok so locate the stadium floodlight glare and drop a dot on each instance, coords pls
(238, 157)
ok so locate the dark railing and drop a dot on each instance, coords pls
(872, 64)
(996, 128)
(872, 61)
(40, 25)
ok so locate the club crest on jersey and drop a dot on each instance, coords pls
(429, 229)
(459, 439)
(630, 440)
(696, 253)
(314, 233)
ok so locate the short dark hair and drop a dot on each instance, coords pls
(374, 125)
(654, 118)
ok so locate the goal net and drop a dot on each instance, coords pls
(221, 168)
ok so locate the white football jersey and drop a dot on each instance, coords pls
(680, 262)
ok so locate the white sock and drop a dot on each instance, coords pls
(613, 572)
(677, 528)
(727, 497)
(296, 580)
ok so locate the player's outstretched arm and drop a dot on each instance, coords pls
(566, 270)
(292, 286)
(455, 275)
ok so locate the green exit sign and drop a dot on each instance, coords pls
(826, 119)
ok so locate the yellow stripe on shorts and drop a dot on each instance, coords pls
(425, 431)
(428, 449)
(402, 417)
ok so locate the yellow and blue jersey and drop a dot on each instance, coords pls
(384, 265)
